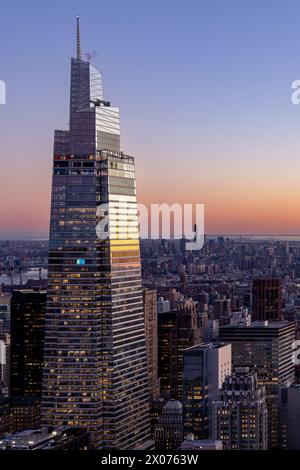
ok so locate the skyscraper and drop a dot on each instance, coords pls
(266, 299)
(267, 349)
(27, 343)
(26, 358)
(150, 315)
(205, 367)
(4, 363)
(177, 330)
(168, 432)
(95, 356)
(240, 416)
(290, 417)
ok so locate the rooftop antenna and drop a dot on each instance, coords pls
(78, 40)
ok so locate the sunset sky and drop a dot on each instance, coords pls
(204, 90)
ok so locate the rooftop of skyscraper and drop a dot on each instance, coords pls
(205, 346)
(33, 439)
(271, 324)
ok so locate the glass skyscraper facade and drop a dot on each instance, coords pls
(95, 373)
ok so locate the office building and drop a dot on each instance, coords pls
(156, 409)
(163, 305)
(27, 343)
(168, 432)
(240, 416)
(150, 318)
(240, 317)
(267, 349)
(4, 364)
(25, 413)
(204, 371)
(211, 331)
(5, 313)
(95, 373)
(6, 421)
(177, 330)
(290, 417)
(266, 299)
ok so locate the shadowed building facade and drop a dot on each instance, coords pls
(177, 330)
(28, 309)
(266, 299)
(27, 343)
(150, 313)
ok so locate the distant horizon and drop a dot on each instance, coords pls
(213, 235)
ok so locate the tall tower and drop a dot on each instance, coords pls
(177, 330)
(150, 315)
(27, 341)
(95, 372)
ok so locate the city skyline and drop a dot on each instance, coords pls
(200, 86)
(149, 232)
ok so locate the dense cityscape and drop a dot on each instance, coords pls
(122, 343)
(221, 326)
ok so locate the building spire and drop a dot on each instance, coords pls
(78, 40)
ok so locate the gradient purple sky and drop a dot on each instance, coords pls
(204, 89)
